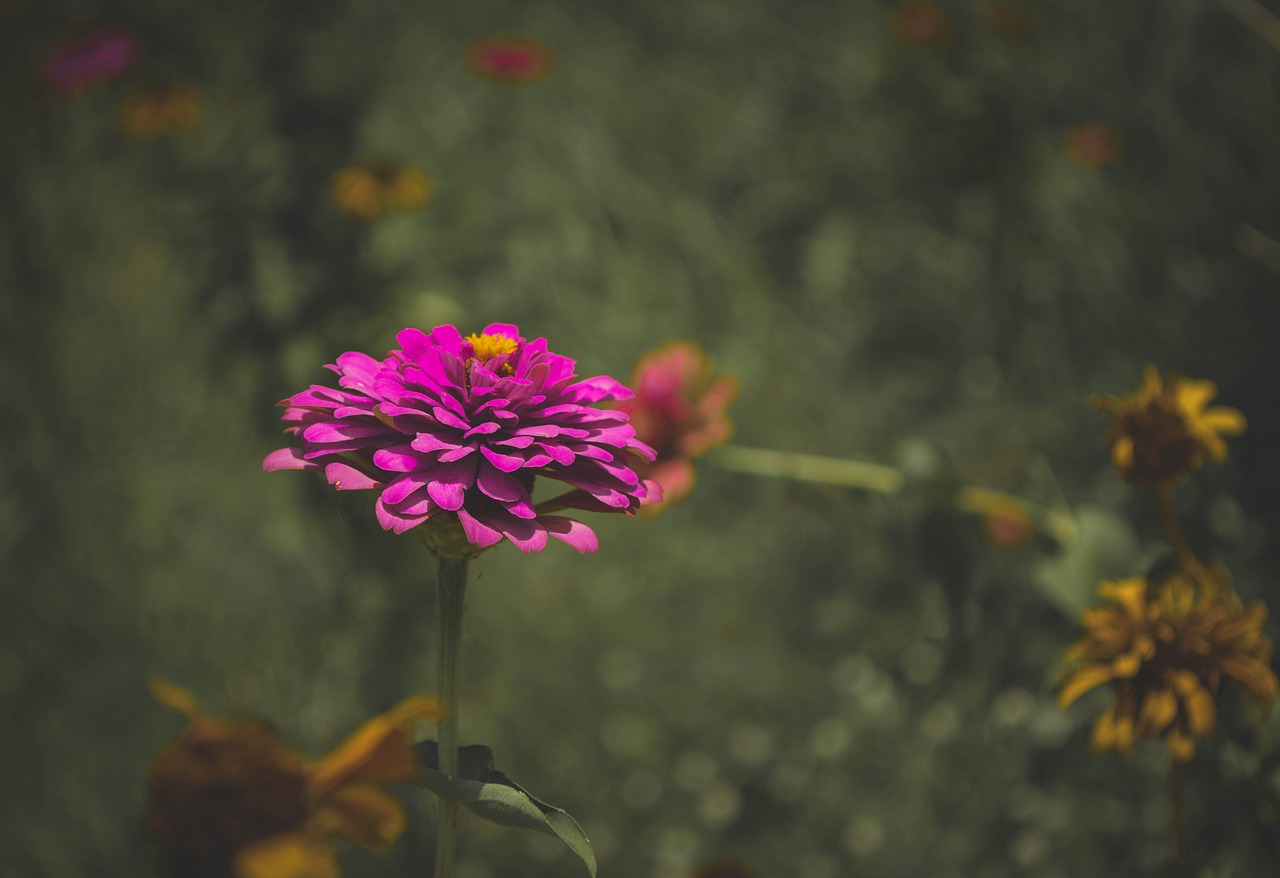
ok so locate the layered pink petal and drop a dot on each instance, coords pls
(410, 425)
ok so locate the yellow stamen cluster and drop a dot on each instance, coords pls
(1165, 649)
(1163, 430)
(486, 347)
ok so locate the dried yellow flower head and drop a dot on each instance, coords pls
(1165, 649)
(220, 787)
(1163, 430)
(230, 799)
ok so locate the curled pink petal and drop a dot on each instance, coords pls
(287, 458)
(346, 477)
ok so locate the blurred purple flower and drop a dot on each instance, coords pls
(104, 54)
(449, 427)
(510, 59)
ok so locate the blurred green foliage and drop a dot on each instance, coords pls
(889, 246)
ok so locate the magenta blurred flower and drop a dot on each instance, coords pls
(104, 54)
(510, 59)
(679, 409)
(455, 430)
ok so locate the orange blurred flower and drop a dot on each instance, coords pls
(1164, 650)
(510, 59)
(1093, 145)
(230, 799)
(1010, 20)
(1162, 431)
(370, 188)
(1006, 522)
(1008, 528)
(921, 24)
(156, 111)
(679, 409)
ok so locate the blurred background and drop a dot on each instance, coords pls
(919, 235)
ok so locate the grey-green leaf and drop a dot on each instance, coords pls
(1105, 548)
(493, 796)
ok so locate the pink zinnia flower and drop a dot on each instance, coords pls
(679, 409)
(104, 54)
(455, 430)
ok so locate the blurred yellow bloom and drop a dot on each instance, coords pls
(1161, 432)
(230, 799)
(370, 188)
(1164, 650)
(155, 111)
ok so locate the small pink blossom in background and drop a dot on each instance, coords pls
(104, 54)
(1093, 145)
(458, 429)
(512, 60)
(680, 410)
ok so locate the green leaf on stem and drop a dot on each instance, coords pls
(1105, 548)
(493, 796)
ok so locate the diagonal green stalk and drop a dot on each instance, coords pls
(451, 586)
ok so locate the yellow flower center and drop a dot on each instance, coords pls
(486, 347)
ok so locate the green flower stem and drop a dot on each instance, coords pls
(871, 477)
(451, 586)
(1178, 795)
(811, 468)
(1177, 539)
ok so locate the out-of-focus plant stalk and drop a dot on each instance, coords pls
(1177, 539)
(1256, 17)
(1178, 793)
(811, 468)
(451, 586)
(874, 477)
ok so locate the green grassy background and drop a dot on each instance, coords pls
(888, 246)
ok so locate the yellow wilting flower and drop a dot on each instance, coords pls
(1162, 431)
(1164, 650)
(370, 188)
(230, 799)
